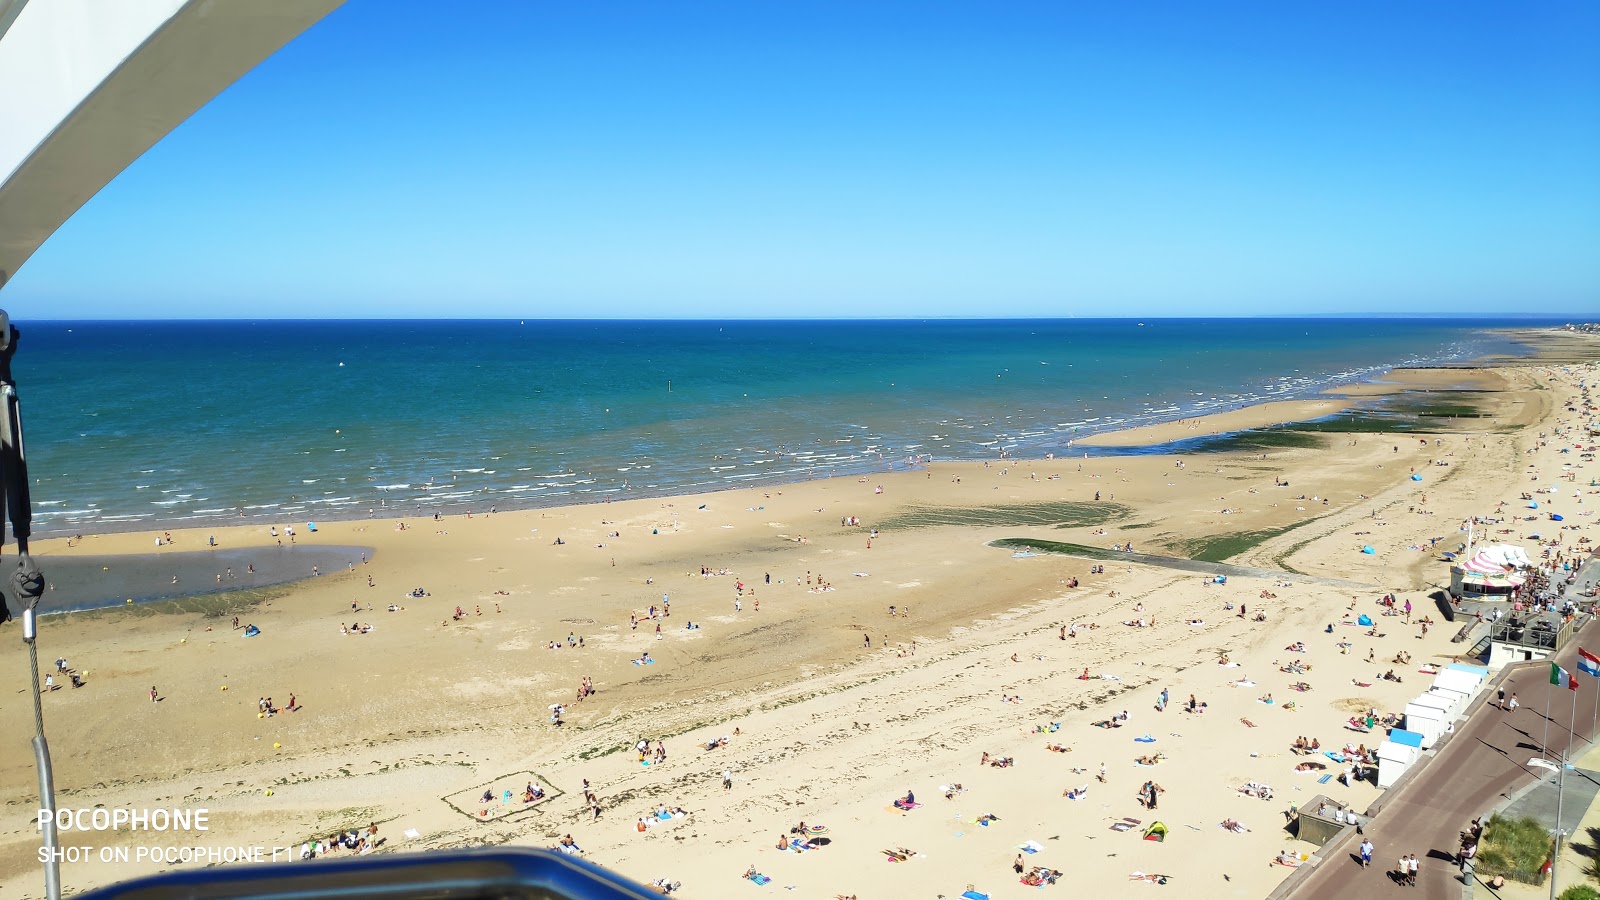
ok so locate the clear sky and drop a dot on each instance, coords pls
(868, 158)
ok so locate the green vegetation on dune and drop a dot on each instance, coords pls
(1515, 848)
(1062, 514)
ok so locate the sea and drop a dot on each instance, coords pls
(187, 423)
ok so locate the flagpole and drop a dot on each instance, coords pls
(1545, 750)
(1561, 784)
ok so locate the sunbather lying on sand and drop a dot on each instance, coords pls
(1057, 748)
(1233, 826)
(1310, 767)
(900, 855)
(1077, 793)
(1248, 723)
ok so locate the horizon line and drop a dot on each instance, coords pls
(1571, 317)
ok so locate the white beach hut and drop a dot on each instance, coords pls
(1454, 681)
(1428, 715)
(1396, 756)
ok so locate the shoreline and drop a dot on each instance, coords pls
(1100, 438)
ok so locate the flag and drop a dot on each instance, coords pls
(1588, 663)
(1562, 678)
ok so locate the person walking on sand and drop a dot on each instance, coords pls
(727, 779)
(152, 693)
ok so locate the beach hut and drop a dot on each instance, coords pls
(1455, 701)
(1464, 683)
(1396, 755)
(1428, 715)
(1481, 671)
(1156, 832)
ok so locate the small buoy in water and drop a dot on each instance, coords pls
(130, 599)
(341, 365)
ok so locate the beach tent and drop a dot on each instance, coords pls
(1394, 759)
(1368, 549)
(1156, 832)
(1416, 477)
(1364, 620)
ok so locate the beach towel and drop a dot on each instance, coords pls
(1030, 847)
(1147, 739)
(1122, 826)
(646, 662)
(758, 878)
(974, 895)
(1334, 755)
(1324, 779)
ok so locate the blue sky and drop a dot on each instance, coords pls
(877, 159)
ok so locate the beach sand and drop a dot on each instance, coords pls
(406, 724)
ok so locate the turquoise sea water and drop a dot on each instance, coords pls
(134, 424)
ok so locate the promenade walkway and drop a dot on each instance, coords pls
(1480, 767)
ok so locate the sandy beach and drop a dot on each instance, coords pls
(847, 664)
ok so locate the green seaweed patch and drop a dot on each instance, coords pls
(1219, 547)
(1056, 514)
(1059, 548)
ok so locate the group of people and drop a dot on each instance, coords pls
(266, 709)
(353, 840)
